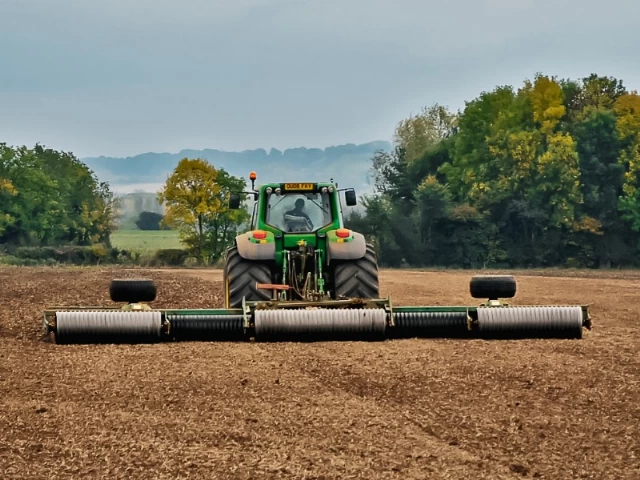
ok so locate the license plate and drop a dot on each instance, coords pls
(298, 186)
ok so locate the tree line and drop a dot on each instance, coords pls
(547, 174)
(49, 197)
(544, 175)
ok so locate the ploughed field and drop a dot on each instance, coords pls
(396, 409)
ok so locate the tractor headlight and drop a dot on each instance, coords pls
(278, 191)
(324, 189)
(269, 190)
(330, 189)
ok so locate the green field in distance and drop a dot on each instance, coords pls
(145, 241)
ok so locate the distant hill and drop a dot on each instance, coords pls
(131, 177)
(348, 165)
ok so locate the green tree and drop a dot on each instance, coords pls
(149, 221)
(384, 230)
(593, 94)
(602, 177)
(484, 125)
(54, 199)
(419, 133)
(223, 225)
(433, 203)
(391, 174)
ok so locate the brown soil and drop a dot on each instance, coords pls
(397, 409)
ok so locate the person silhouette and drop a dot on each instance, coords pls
(298, 211)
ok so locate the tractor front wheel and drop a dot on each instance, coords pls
(240, 278)
(357, 278)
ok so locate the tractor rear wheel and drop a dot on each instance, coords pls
(357, 278)
(240, 278)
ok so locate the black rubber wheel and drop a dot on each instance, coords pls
(132, 290)
(357, 278)
(240, 279)
(493, 287)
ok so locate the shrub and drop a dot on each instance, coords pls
(72, 254)
(170, 257)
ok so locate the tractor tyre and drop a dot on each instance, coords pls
(357, 278)
(240, 279)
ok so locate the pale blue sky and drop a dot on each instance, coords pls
(124, 77)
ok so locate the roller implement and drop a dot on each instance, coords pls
(299, 275)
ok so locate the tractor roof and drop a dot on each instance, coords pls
(298, 186)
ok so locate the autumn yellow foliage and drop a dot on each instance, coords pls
(191, 198)
(547, 101)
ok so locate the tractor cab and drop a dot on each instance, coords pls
(298, 212)
(296, 208)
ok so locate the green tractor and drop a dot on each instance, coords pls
(298, 249)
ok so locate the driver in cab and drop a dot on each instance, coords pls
(298, 211)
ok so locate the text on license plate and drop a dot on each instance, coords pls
(298, 186)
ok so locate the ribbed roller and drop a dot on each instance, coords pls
(530, 322)
(320, 324)
(108, 327)
(430, 324)
(206, 327)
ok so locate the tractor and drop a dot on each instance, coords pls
(298, 249)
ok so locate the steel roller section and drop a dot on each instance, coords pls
(108, 327)
(320, 324)
(368, 320)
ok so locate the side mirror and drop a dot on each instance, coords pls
(234, 201)
(350, 197)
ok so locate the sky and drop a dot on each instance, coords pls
(123, 77)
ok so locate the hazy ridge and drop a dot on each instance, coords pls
(348, 164)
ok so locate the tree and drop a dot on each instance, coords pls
(7, 192)
(432, 205)
(223, 225)
(602, 177)
(593, 94)
(547, 102)
(485, 123)
(149, 221)
(418, 133)
(51, 197)
(627, 109)
(196, 196)
(191, 199)
(391, 174)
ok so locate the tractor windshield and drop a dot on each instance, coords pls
(299, 212)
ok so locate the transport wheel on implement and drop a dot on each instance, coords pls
(132, 290)
(493, 287)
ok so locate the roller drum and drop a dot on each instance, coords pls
(108, 327)
(530, 322)
(430, 324)
(206, 327)
(320, 324)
